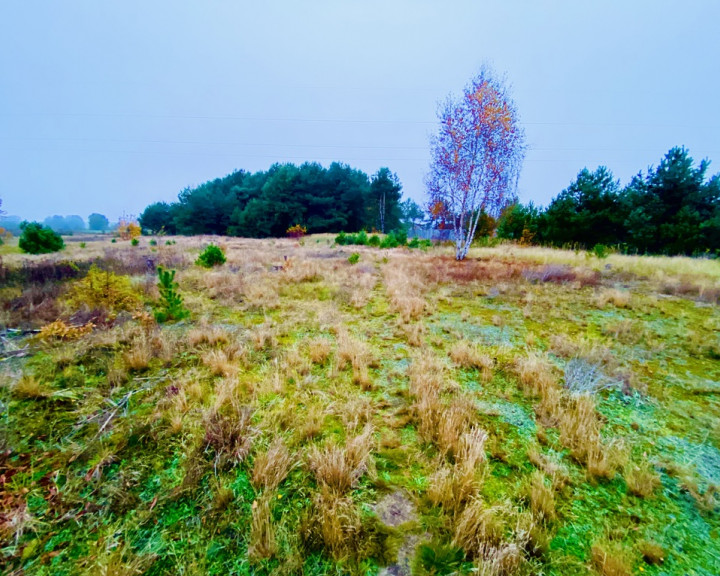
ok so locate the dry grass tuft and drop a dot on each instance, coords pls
(356, 353)
(652, 552)
(138, 357)
(618, 298)
(409, 307)
(339, 468)
(536, 374)
(415, 333)
(478, 526)
(207, 335)
(427, 380)
(557, 472)
(271, 467)
(610, 559)
(580, 432)
(452, 422)
(29, 387)
(295, 364)
(405, 288)
(262, 543)
(503, 560)
(356, 412)
(604, 459)
(224, 285)
(579, 426)
(542, 498)
(263, 337)
(335, 523)
(219, 363)
(452, 486)
(222, 496)
(550, 408)
(319, 350)
(467, 355)
(563, 346)
(641, 479)
(312, 424)
(262, 293)
(229, 431)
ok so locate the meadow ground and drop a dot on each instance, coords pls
(527, 411)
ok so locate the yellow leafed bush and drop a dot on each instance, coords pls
(104, 289)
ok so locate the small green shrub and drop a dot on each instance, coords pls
(418, 243)
(211, 256)
(374, 240)
(601, 251)
(39, 239)
(134, 241)
(354, 258)
(341, 239)
(114, 240)
(153, 242)
(437, 559)
(83, 244)
(170, 307)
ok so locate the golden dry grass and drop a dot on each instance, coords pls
(339, 468)
(468, 355)
(335, 522)
(610, 559)
(219, 363)
(319, 350)
(652, 552)
(618, 298)
(271, 466)
(209, 335)
(262, 543)
(542, 497)
(535, 374)
(641, 479)
(479, 526)
(28, 386)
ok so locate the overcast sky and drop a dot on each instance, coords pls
(109, 106)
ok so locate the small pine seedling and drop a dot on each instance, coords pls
(171, 305)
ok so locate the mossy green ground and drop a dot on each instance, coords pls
(106, 467)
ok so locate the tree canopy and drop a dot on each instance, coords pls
(98, 222)
(671, 209)
(267, 203)
(65, 224)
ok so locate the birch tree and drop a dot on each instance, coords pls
(476, 156)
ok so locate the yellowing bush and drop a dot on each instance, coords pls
(104, 289)
(128, 230)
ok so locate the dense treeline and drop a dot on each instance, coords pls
(263, 204)
(671, 209)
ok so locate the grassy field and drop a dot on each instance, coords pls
(527, 411)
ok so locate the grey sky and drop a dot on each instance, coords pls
(108, 106)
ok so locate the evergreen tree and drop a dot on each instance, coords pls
(672, 209)
(587, 212)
